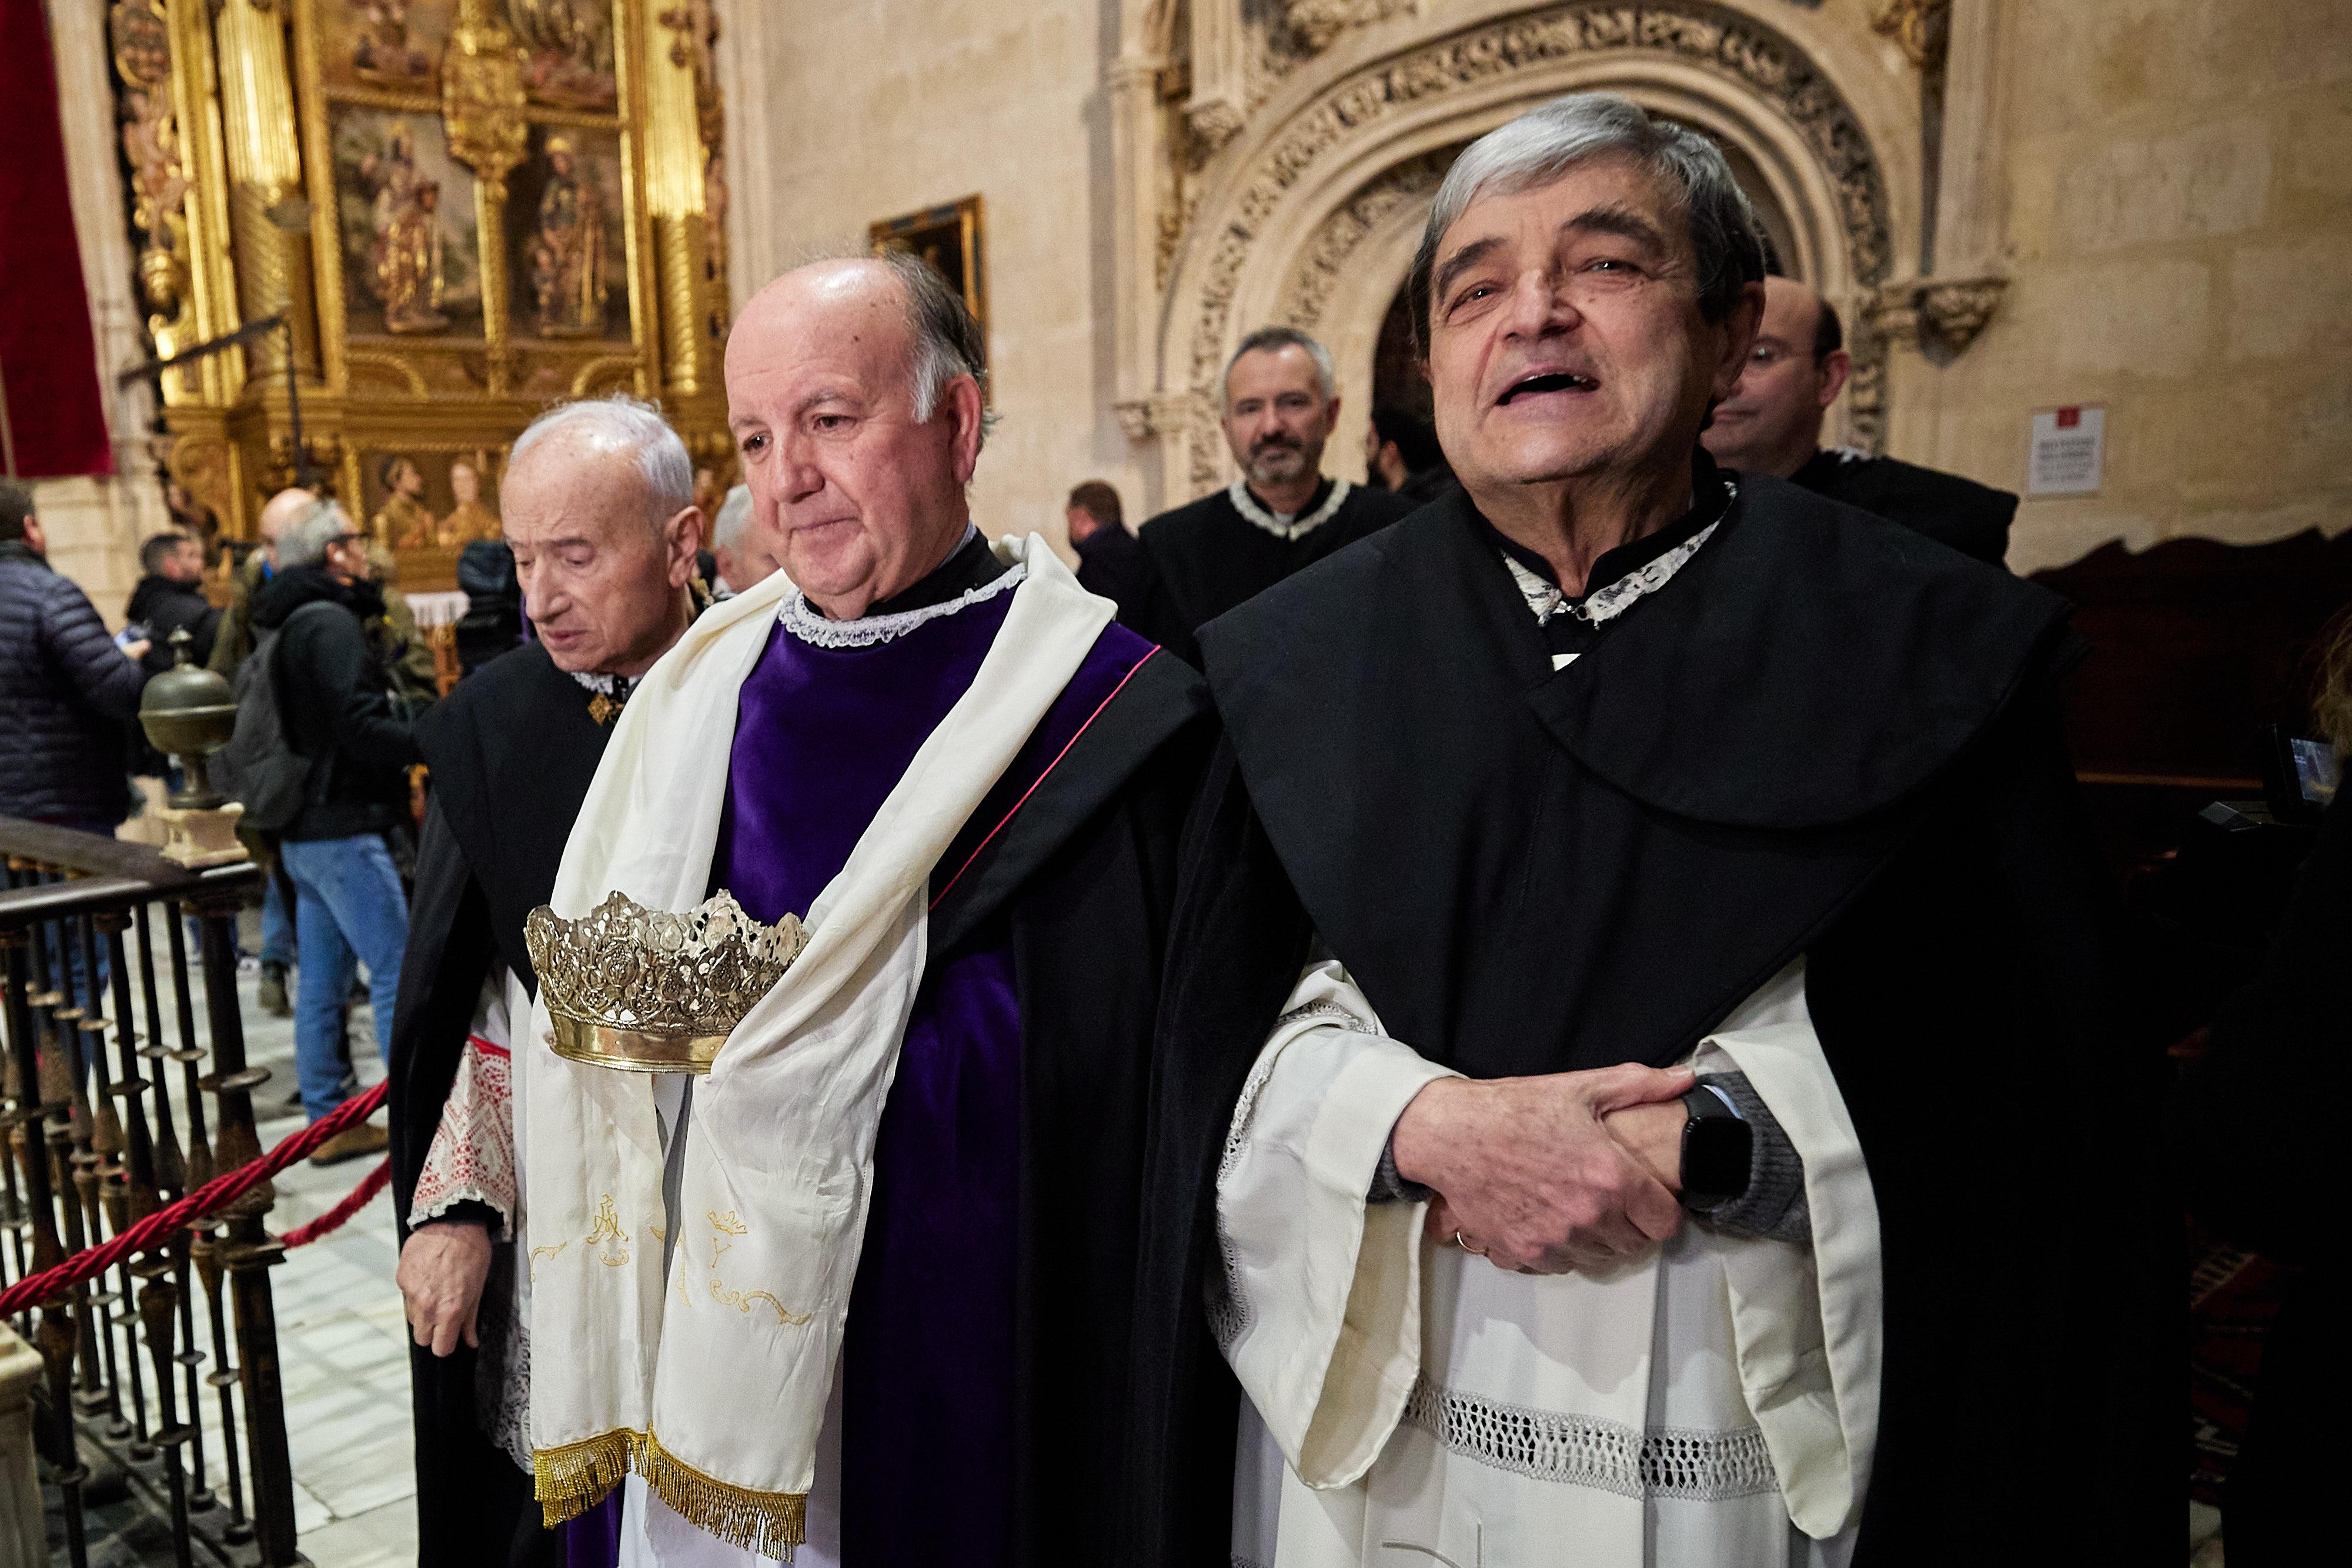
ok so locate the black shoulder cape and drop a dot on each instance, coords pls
(1824, 738)
(1972, 518)
(1201, 560)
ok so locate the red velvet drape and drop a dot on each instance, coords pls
(48, 359)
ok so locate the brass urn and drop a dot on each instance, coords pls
(189, 713)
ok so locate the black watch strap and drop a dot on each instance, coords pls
(1718, 1150)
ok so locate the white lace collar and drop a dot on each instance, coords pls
(1606, 603)
(600, 683)
(810, 625)
(1286, 524)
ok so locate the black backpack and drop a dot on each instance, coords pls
(259, 767)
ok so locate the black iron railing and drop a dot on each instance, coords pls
(106, 1121)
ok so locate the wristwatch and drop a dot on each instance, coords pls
(1717, 1147)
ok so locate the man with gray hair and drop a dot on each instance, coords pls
(1641, 946)
(356, 743)
(599, 514)
(745, 555)
(1281, 399)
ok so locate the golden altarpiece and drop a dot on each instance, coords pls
(465, 210)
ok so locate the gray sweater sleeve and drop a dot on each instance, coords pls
(1774, 1205)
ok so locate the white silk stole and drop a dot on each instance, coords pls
(712, 1384)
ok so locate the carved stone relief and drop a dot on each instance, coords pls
(1745, 53)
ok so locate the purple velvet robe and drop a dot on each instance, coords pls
(822, 735)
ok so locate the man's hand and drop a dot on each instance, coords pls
(442, 1269)
(135, 651)
(1528, 1175)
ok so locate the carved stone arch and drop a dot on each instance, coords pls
(1311, 216)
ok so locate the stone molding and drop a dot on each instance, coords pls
(1938, 313)
(1749, 57)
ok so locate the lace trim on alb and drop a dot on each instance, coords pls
(1228, 1308)
(1601, 604)
(601, 683)
(1599, 1456)
(1238, 493)
(805, 623)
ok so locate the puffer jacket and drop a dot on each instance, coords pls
(335, 699)
(66, 695)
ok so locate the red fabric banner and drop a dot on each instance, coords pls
(48, 361)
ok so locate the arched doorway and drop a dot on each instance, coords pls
(1310, 214)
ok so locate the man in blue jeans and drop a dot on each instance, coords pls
(342, 718)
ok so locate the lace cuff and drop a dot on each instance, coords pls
(472, 1160)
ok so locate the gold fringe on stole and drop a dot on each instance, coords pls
(571, 1479)
(768, 1522)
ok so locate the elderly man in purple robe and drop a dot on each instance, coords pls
(861, 1295)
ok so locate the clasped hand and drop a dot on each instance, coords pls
(1544, 1176)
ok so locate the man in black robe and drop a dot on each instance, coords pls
(1199, 560)
(1771, 423)
(1111, 559)
(602, 557)
(1556, 778)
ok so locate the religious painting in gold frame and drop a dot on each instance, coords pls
(951, 237)
(567, 245)
(406, 215)
(414, 497)
(394, 45)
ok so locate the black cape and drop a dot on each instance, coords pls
(1078, 875)
(512, 752)
(1824, 738)
(1972, 518)
(1201, 560)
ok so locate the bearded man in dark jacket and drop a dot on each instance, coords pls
(335, 698)
(171, 597)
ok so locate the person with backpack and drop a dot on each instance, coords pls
(333, 789)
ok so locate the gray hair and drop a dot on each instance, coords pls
(1545, 144)
(734, 515)
(304, 540)
(1272, 339)
(945, 338)
(623, 425)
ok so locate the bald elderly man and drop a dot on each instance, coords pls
(886, 1318)
(1771, 423)
(599, 513)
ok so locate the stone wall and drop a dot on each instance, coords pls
(2179, 194)
(880, 110)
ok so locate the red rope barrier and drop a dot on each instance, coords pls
(215, 1194)
(335, 1218)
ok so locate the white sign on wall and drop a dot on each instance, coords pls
(2065, 457)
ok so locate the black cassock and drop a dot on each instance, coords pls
(511, 752)
(1822, 737)
(1201, 560)
(1972, 518)
(1077, 869)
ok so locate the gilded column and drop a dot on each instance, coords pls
(677, 79)
(269, 236)
(482, 104)
(211, 274)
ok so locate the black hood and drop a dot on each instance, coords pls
(296, 586)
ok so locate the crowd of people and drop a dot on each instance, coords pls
(1535, 1008)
